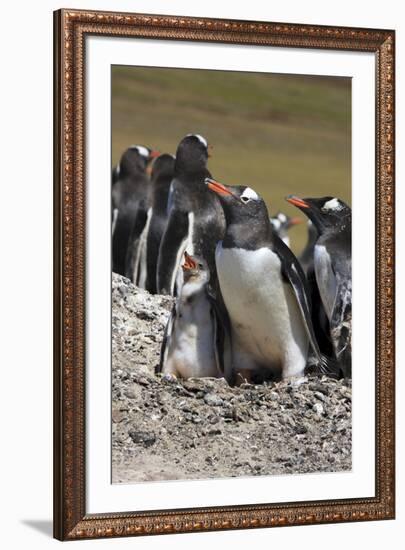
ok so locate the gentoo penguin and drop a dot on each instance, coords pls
(282, 224)
(264, 291)
(190, 343)
(195, 217)
(161, 178)
(129, 197)
(333, 268)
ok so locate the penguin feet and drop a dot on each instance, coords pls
(326, 366)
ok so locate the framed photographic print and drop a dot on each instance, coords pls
(224, 274)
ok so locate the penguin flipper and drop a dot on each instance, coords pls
(292, 271)
(221, 323)
(133, 252)
(171, 248)
(169, 329)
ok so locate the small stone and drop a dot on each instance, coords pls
(147, 439)
(320, 396)
(318, 408)
(301, 429)
(213, 400)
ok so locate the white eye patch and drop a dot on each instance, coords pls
(333, 204)
(141, 150)
(248, 193)
(200, 139)
(282, 217)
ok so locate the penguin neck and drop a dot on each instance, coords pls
(258, 235)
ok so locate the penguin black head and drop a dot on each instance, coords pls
(136, 159)
(325, 212)
(192, 154)
(195, 269)
(240, 203)
(163, 165)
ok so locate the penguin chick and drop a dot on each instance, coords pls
(190, 346)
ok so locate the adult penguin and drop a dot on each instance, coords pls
(264, 291)
(333, 268)
(282, 223)
(196, 220)
(129, 203)
(161, 179)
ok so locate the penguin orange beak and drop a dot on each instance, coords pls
(296, 201)
(189, 262)
(217, 187)
(154, 154)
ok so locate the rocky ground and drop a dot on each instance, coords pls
(202, 428)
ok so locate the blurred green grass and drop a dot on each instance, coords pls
(279, 134)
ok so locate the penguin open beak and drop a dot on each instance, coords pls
(296, 201)
(189, 262)
(154, 154)
(217, 187)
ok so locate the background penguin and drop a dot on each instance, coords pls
(190, 345)
(129, 196)
(264, 290)
(162, 176)
(333, 268)
(282, 224)
(195, 217)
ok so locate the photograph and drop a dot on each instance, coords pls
(231, 274)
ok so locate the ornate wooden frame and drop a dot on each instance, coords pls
(70, 518)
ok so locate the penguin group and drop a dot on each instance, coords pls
(245, 307)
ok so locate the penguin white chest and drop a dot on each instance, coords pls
(267, 325)
(325, 278)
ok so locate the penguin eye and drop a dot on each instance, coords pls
(244, 199)
(200, 266)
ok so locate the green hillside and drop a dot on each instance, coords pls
(279, 134)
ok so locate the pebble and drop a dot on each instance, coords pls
(318, 408)
(213, 400)
(145, 438)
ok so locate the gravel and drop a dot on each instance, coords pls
(164, 428)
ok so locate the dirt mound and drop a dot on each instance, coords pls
(202, 428)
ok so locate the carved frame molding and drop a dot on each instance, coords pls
(70, 518)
